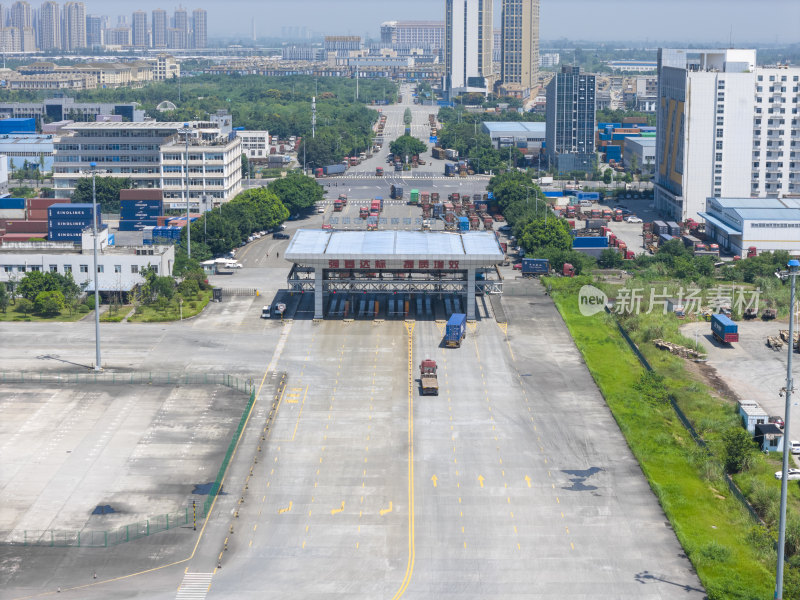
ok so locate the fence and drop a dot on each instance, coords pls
(135, 377)
(689, 426)
(164, 522)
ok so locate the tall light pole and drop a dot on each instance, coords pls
(93, 171)
(793, 267)
(185, 131)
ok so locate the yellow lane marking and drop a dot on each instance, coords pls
(385, 511)
(481, 479)
(411, 529)
(336, 511)
(528, 480)
(287, 509)
(435, 480)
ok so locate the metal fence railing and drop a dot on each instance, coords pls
(164, 522)
(133, 377)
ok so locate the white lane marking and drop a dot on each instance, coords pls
(194, 586)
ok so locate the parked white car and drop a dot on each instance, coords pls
(794, 447)
(792, 475)
(633, 219)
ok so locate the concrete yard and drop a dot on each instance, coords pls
(139, 449)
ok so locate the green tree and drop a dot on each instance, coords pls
(4, 298)
(163, 287)
(739, 448)
(107, 191)
(295, 191)
(607, 176)
(245, 165)
(35, 283)
(49, 303)
(24, 306)
(610, 258)
(550, 233)
(407, 117)
(407, 145)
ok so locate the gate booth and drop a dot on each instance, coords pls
(364, 274)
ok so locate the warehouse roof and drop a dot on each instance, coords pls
(499, 127)
(474, 248)
(757, 209)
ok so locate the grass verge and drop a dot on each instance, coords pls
(115, 313)
(62, 317)
(716, 532)
(172, 311)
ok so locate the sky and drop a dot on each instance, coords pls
(698, 21)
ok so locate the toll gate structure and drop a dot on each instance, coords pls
(414, 265)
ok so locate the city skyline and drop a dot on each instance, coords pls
(713, 21)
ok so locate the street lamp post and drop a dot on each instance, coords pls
(185, 132)
(793, 267)
(93, 171)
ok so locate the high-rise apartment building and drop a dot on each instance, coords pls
(118, 36)
(74, 26)
(49, 26)
(726, 128)
(21, 16)
(159, 29)
(199, 28)
(520, 45)
(181, 34)
(469, 29)
(571, 120)
(94, 30)
(139, 29)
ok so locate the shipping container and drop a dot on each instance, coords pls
(26, 227)
(463, 223)
(592, 196)
(535, 266)
(455, 330)
(12, 203)
(674, 228)
(590, 242)
(724, 329)
(139, 225)
(41, 203)
(141, 194)
(660, 227)
(12, 213)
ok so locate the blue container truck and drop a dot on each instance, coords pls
(535, 266)
(593, 196)
(725, 330)
(463, 223)
(455, 330)
(590, 242)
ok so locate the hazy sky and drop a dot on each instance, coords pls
(645, 20)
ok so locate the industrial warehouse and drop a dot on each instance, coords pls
(361, 273)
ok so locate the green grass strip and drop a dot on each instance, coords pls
(711, 525)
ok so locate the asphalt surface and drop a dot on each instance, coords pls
(513, 482)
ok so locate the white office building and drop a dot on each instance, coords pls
(146, 153)
(726, 128)
(469, 34)
(118, 269)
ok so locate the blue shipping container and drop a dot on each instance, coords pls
(590, 242)
(62, 236)
(594, 196)
(724, 329)
(553, 193)
(455, 330)
(535, 266)
(12, 203)
(613, 153)
(136, 225)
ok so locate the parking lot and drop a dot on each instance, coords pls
(750, 368)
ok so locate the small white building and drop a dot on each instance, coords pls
(528, 136)
(752, 414)
(255, 145)
(767, 224)
(118, 269)
(644, 150)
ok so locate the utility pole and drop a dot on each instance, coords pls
(93, 171)
(186, 132)
(793, 267)
(313, 117)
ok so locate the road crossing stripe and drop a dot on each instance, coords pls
(194, 586)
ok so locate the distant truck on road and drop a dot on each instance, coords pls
(429, 381)
(455, 330)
